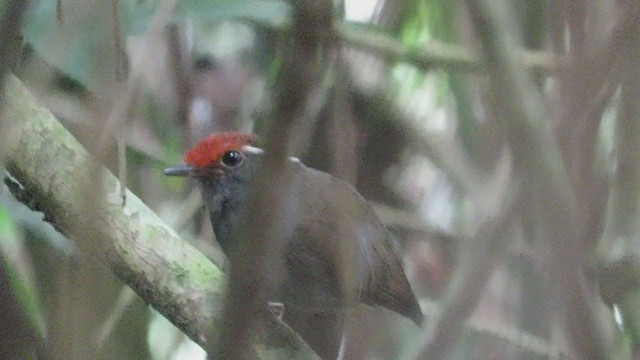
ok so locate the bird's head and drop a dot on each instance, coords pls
(219, 157)
(224, 164)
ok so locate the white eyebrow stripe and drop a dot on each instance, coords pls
(256, 150)
(252, 149)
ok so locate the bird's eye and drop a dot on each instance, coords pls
(232, 158)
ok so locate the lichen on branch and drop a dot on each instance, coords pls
(146, 254)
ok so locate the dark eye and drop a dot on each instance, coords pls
(232, 158)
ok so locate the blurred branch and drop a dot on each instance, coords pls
(625, 195)
(10, 25)
(10, 34)
(480, 257)
(19, 336)
(539, 163)
(586, 86)
(447, 155)
(131, 240)
(525, 341)
(435, 54)
(399, 218)
(253, 260)
(620, 278)
(124, 107)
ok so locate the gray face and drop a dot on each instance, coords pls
(225, 190)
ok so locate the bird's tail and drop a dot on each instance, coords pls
(394, 293)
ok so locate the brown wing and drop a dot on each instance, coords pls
(310, 291)
(390, 289)
(334, 206)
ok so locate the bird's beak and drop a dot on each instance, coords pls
(180, 170)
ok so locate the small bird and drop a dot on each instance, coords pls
(309, 287)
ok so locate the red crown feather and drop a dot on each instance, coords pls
(210, 150)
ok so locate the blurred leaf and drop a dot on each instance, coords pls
(416, 29)
(79, 40)
(27, 298)
(6, 225)
(429, 20)
(24, 294)
(272, 12)
(8, 231)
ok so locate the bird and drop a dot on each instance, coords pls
(309, 285)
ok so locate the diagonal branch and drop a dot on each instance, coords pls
(131, 240)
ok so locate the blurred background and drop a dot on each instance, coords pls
(410, 98)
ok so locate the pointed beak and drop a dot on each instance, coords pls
(180, 170)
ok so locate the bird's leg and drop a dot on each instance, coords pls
(277, 309)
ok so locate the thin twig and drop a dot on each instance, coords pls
(182, 73)
(120, 75)
(59, 12)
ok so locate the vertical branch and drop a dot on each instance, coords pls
(539, 162)
(182, 74)
(620, 282)
(118, 46)
(17, 334)
(623, 219)
(10, 26)
(575, 13)
(481, 255)
(120, 77)
(572, 18)
(342, 135)
(251, 263)
(59, 12)
(584, 79)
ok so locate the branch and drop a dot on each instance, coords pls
(538, 161)
(253, 259)
(435, 54)
(131, 240)
(479, 258)
(619, 277)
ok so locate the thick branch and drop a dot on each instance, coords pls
(131, 240)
